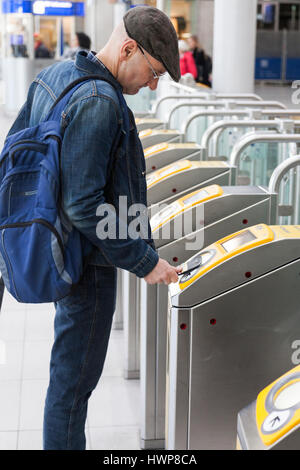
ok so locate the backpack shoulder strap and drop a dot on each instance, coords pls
(62, 100)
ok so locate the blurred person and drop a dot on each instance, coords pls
(101, 159)
(40, 50)
(202, 60)
(187, 62)
(81, 42)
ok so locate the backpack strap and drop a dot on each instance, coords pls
(62, 100)
(60, 103)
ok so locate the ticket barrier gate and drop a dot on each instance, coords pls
(272, 421)
(210, 139)
(257, 105)
(220, 210)
(163, 154)
(155, 111)
(149, 137)
(162, 183)
(179, 178)
(233, 317)
(148, 123)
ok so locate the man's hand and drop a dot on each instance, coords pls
(163, 273)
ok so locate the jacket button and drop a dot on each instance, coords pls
(143, 173)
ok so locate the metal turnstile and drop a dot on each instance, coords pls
(118, 320)
(272, 421)
(179, 178)
(161, 186)
(148, 123)
(160, 155)
(206, 215)
(232, 321)
(149, 137)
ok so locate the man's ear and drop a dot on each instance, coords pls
(128, 49)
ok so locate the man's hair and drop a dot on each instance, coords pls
(83, 40)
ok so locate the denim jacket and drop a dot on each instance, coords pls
(101, 159)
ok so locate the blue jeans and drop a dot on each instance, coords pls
(82, 328)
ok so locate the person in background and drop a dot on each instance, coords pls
(40, 50)
(187, 62)
(202, 60)
(81, 42)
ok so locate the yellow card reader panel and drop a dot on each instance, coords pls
(167, 171)
(233, 245)
(184, 203)
(147, 132)
(153, 149)
(278, 407)
(224, 249)
(177, 167)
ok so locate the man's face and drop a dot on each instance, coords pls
(139, 70)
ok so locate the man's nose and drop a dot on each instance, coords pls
(153, 84)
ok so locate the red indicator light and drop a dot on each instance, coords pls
(175, 259)
(154, 168)
(213, 321)
(248, 274)
(245, 221)
(174, 190)
(183, 326)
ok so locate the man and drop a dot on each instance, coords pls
(101, 159)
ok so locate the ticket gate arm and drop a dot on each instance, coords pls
(213, 112)
(239, 96)
(205, 96)
(280, 171)
(255, 123)
(274, 185)
(158, 102)
(225, 103)
(254, 137)
(287, 113)
(190, 104)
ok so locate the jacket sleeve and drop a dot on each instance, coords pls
(86, 157)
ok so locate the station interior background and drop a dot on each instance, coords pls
(26, 331)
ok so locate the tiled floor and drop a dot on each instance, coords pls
(26, 333)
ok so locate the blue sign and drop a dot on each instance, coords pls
(43, 7)
(292, 69)
(55, 8)
(268, 68)
(16, 6)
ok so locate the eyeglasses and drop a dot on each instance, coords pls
(155, 74)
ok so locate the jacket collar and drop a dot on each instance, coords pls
(84, 61)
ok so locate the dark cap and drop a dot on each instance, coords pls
(154, 31)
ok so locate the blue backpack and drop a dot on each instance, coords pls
(41, 253)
